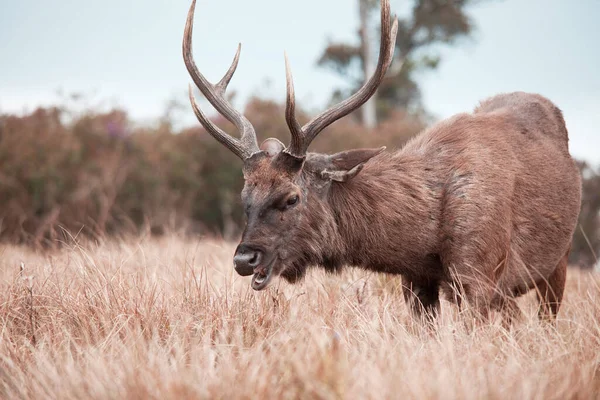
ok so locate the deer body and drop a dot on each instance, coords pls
(482, 206)
(486, 201)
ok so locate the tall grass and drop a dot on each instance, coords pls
(167, 318)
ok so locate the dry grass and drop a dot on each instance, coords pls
(169, 319)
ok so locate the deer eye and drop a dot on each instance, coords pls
(292, 200)
(285, 203)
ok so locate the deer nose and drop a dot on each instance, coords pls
(246, 259)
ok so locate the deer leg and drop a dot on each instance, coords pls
(550, 292)
(476, 234)
(479, 301)
(511, 312)
(475, 285)
(422, 297)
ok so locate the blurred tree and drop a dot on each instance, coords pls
(586, 240)
(430, 23)
(369, 110)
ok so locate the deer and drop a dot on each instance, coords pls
(479, 208)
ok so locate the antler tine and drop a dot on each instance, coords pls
(290, 108)
(224, 82)
(323, 120)
(216, 132)
(215, 94)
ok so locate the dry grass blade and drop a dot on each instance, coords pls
(169, 318)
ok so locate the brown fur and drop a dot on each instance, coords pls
(482, 206)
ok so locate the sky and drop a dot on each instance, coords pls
(128, 53)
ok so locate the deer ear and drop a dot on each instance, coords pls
(347, 164)
(272, 147)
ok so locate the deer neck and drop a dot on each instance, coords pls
(388, 213)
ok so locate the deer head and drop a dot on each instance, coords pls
(285, 196)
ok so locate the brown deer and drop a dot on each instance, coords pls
(483, 204)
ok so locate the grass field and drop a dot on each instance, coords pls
(169, 318)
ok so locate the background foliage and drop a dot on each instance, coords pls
(98, 174)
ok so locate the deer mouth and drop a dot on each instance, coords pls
(262, 276)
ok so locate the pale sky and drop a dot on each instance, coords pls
(129, 53)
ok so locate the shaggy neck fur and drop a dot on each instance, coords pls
(387, 216)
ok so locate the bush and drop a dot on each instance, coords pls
(100, 175)
(586, 241)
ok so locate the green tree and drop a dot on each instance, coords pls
(429, 24)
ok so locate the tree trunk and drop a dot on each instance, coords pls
(229, 227)
(369, 114)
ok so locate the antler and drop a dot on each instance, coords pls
(215, 94)
(303, 136)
